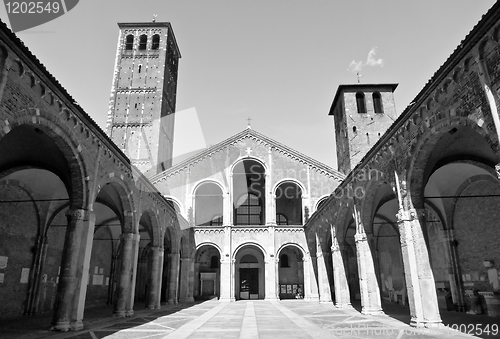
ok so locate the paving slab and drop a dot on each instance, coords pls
(260, 319)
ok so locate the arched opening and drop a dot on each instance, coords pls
(31, 247)
(249, 193)
(208, 205)
(143, 41)
(291, 273)
(388, 256)
(129, 42)
(377, 102)
(105, 258)
(207, 273)
(360, 102)
(289, 203)
(155, 42)
(167, 253)
(249, 273)
(36, 194)
(454, 179)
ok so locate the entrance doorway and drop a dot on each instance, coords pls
(249, 277)
(249, 283)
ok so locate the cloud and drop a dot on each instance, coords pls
(371, 60)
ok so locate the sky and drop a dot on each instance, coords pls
(278, 62)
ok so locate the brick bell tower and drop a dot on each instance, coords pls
(362, 114)
(142, 103)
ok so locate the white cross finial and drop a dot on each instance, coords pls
(249, 150)
(154, 17)
(248, 125)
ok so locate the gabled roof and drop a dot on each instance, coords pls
(252, 134)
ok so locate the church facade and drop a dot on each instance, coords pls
(89, 218)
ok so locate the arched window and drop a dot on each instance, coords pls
(284, 261)
(129, 42)
(281, 219)
(249, 194)
(143, 41)
(249, 210)
(208, 205)
(289, 203)
(377, 103)
(156, 42)
(214, 262)
(360, 102)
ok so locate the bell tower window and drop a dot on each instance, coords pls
(360, 102)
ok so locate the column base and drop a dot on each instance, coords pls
(172, 302)
(425, 323)
(119, 313)
(77, 325)
(129, 313)
(271, 299)
(372, 311)
(325, 301)
(313, 298)
(62, 326)
(227, 299)
(344, 306)
(186, 300)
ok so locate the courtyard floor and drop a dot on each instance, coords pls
(253, 319)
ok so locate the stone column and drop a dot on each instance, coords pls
(153, 278)
(310, 283)
(70, 296)
(129, 308)
(125, 274)
(226, 267)
(225, 276)
(173, 293)
(342, 294)
(270, 293)
(232, 288)
(186, 276)
(420, 284)
(159, 278)
(370, 293)
(33, 299)
(456, 286)
(325, 295)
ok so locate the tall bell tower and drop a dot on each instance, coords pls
(362, 114)
(143, 95)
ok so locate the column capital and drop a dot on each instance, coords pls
(360, 237)
(410, 214)
(78, 214)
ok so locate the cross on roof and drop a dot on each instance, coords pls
(248, 125)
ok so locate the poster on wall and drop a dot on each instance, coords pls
(25, 273)
(3, 262)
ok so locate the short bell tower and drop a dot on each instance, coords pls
(362, 114)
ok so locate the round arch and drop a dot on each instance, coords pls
(249, 157)
(64, 138)
(285, 180)
(418, 166)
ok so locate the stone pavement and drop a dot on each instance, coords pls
(260, 319)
